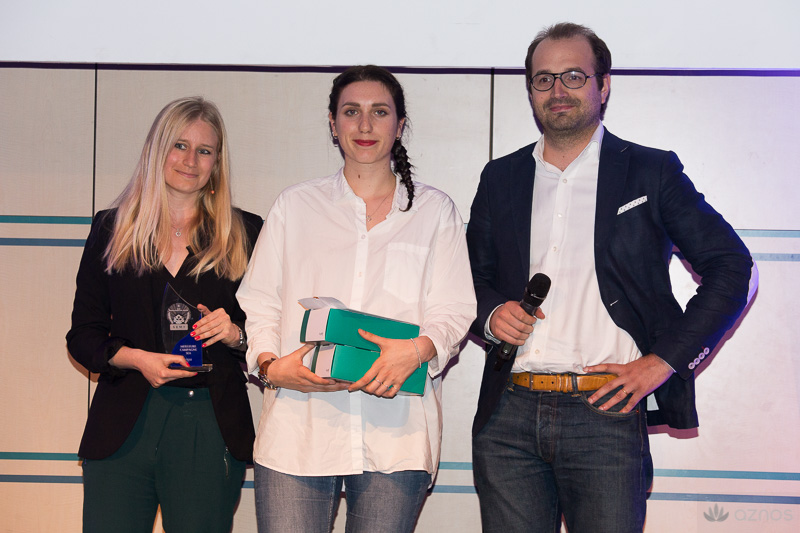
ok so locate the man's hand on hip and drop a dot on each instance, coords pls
(637, 379)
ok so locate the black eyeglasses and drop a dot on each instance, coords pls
(572, 79)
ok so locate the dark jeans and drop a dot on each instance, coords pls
(175, 457)
(376, 503)
(547, 453)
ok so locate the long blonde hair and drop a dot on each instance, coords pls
(141, 235)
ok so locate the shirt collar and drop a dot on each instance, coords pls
(342, 192)
(593, 147)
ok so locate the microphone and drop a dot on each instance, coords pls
(535, 293)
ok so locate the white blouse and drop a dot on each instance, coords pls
(413, 267)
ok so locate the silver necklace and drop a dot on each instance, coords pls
(369, 217)
(179, 231)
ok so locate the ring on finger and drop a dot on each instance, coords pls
(379, 381)
(389, 387)
(624, 392)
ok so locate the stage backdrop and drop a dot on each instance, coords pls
(70, 135)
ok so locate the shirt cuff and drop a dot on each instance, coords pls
(487, 332)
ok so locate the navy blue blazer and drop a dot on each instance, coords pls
(632, 249)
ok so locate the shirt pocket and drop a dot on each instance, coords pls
(405, 270)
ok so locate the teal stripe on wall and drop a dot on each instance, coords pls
(466, 466)
(15, 478)
(776, 257)
(451, 465)
(35, 219)
(667, 472)
(469, 489)
(730, 498)
(70, 243)
(782, 233)
(31, 219)
(727, 474)
(38, 456)
(79, 243)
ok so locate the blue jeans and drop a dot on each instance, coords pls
(547, 453)
(307, 504)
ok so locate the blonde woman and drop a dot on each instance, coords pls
(158, 434)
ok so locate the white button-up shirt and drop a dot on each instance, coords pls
(578, 330)
(413, 267)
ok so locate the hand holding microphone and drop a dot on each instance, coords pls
(535, 293)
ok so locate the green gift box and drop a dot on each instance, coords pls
(347, 363)
(329, 325)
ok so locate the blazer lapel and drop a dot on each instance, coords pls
(521, 203)
(611, 178)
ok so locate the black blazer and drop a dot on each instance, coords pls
(632, 250)
(121, 309)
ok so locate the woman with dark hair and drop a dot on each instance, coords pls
(383, 244)
(158, 433)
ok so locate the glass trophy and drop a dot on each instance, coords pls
(177, 317)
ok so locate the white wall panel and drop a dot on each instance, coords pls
(449, 137)
(46, 141)
(736, 137)
(43, 394)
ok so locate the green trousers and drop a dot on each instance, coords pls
(174, 457)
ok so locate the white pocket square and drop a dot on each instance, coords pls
(631, 205)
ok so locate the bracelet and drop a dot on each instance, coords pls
(262, 374)
(241, 337)
(419, 358)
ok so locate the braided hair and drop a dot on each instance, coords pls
(402, 165)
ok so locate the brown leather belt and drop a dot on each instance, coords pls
(560, 382)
